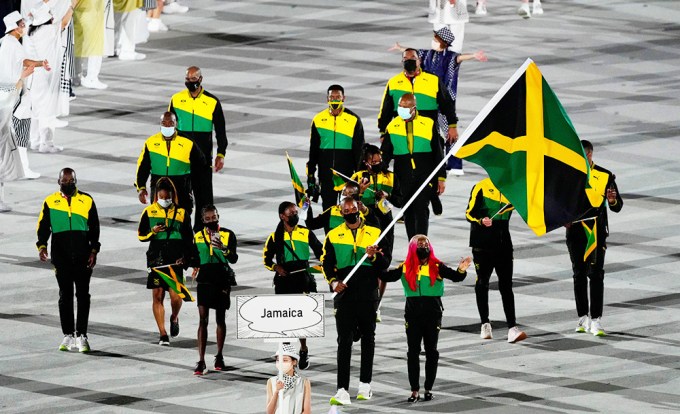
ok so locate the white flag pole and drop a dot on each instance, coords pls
(466, 134)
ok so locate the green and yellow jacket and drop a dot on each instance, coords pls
(196, 119)
(485, 201)
(168, 246)
(335, 142)
(431, 98)
(73, 224)
(212, 262)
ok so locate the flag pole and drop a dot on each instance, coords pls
(454, 149)
(502, 208)
(349, 179)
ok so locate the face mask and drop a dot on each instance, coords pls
(351, 218)
(212, 225)
(167, 131)
(335, 104)
(423, 252)
(68, 189)
(192, 86)
(410, 65)
(404, 113)
(165, 203)
(436, 45)
(284, 366)
(293, 220)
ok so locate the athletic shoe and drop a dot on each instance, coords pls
(596, 328)
(413, 399)
(537, 8)
(516, 335)
(219, 363)
(365, 392)
(161, 26)
(486, 332)
(341, 398)
(93, 83)
(164, 341)
(200, 368)
(156, 25)
(82, 344)
(481, 9)
(4, 208)
(428, 396)
(378, 316)
(175, 8)
(304, 360)
(524, 11)
(131, 56)
(59, 123)
(67, 343)
(49, 149)
(583, 324)
(174, 328)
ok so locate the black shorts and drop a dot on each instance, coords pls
(213, 297)
(155, 281)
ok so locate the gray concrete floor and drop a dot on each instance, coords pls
(615, 67)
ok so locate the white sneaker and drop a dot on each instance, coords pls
(175, 8)
(93, 83)
(583, 324)
(29, 174)
(67, 343)
(480, 10)
(457, 171)
(49, 149)
(4, 208)
(341, 398)
(537, 8)
(132, 55)
(486, 331)
(516, 335)
(378, 316)
(82, 344)
(59, 123)
(364, 392)
(161, 26)
(524, 11)
(154, 25)
(596, 327)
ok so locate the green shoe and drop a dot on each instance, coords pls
(82, 344)
(67, 343)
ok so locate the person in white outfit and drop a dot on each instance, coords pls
(452, 14)
(89, 24)
(44, 40)
(523, 10)
(14, 59)
(126, 28)
(288, 392)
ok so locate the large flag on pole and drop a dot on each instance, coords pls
(300, 195)
(527, 144)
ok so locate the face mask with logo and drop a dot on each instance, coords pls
(192, 86)
(351, 218)
(165, 202)
(423, 252)
(404, 113)
(167, 132)
(335, 104)
(68, 189)
(410, 65)
(212, 225)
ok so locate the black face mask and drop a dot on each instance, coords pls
(410, 65)
(192, 86)
(293, 220)
(423, 252)
(378, 168)
(213, 225)
(68, 189)
(351, 218)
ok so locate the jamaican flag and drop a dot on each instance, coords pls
(174, 282)
(527, 144)
(591, 237)
(300, 195)
(338, 182)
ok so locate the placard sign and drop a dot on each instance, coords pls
(280, 316)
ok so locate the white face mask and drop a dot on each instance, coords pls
(404, 113)
(167, 131)
(165, 203)
(284, 366)
(436, 45)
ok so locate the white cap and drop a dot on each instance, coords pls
(288, 350)
(41, 15)
(11, 21)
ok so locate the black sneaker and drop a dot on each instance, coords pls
(200, 368)
(304, 360)
(174, 328)
(219, 363)
(428, 396)
(164, 341)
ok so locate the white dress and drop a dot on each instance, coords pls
(293, 398)
(10, 163)
(442, 13)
